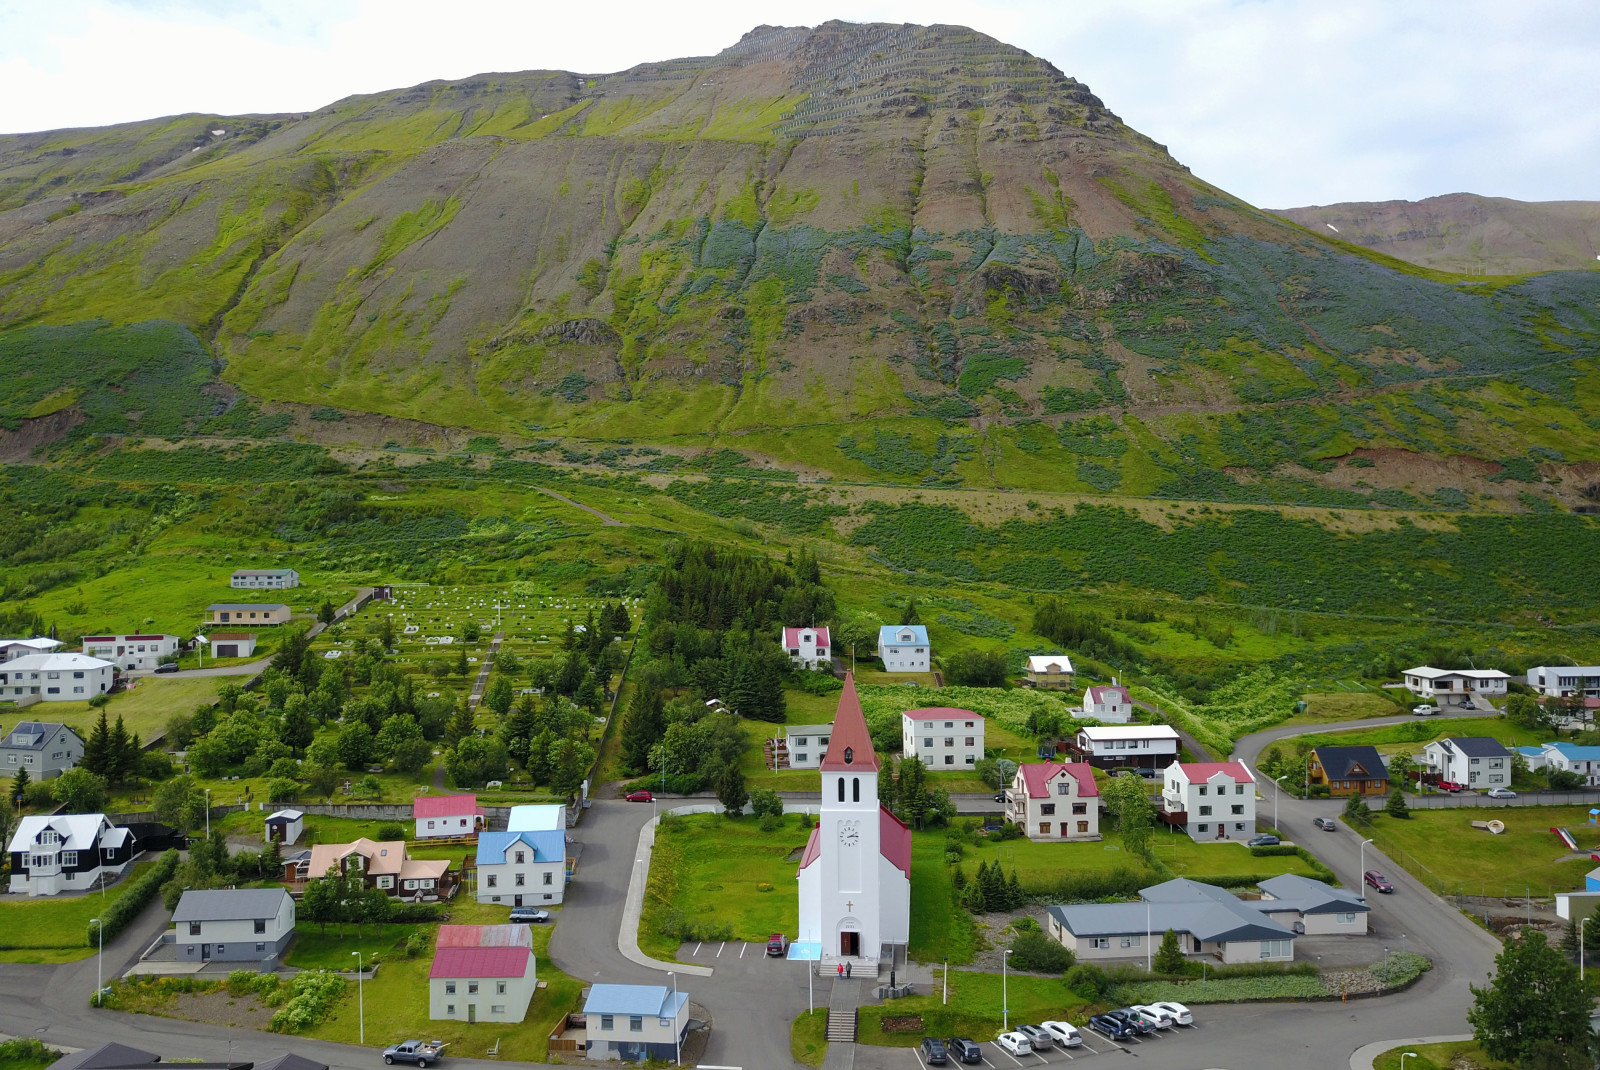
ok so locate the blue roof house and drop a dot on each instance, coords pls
(904, 648)
(522, 869)
(635, 1022)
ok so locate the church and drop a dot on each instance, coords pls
(855, 875)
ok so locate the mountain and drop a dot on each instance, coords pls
(881, 253)
(1466, 233)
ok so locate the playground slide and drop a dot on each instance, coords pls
(1566, 838)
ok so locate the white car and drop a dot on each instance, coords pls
(1502, 793)
(1064, 1033)
(1424, 711)
(1015, 1043)
(1162, 1019)
(1180, 1013)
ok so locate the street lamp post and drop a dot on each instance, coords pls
(946, 998)
(677, 1048)
(1581, 923)
(361, 995)
(1404, 1056)
(1364, 858)
(1277, 791)
(208, 813)
(99, 962)
(1149, 952)
(1005, 997)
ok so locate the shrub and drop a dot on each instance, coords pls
(1036, 952)
(23, 1051)
(391, 830)
(312, 995)
(1087, 980)
(416, 944)
(134, 899)
(413, 913)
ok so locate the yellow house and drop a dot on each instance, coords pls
(248, 613)
(1050, 671)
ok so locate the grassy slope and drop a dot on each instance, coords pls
(1443, 850)
(58, 922)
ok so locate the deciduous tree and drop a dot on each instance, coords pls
(1535, 1009)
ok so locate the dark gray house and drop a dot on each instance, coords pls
(233, 924)
(44, 748)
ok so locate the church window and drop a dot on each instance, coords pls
(855, 789)
(841, 789)
(849, 755)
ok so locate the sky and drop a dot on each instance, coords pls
(1281, 102)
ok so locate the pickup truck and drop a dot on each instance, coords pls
(420, 1052)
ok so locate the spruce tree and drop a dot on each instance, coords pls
(1169, 959)
(1014, 894)
(910, 616)
(994, 888)
(731, 791)
(118, 762)
(463, 724)
(642, 729)
(973, 899)
(888, 787)
(96, 746)
(19, 788)
(1396, 806)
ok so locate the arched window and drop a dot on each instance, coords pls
(855, 789)
(841, 789)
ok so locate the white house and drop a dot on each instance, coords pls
(233, 924)
(1210, 800)
(1055, 801)
(482, 973)
(131, 651)
(537, 817)
(232, 644)
(807, 647)
(635, 1022)
(439, 816)
(855, 874)
(943, 737)
(1571, 758)
(1131, 746)
(1050, 672)
(44, 748)
(284, 827)
(1112, 705)
(56, 677)
(904, 648)
(522, 868)
(1455, 687)
(1207, 920)
(800, 747)
(279, 579)
(1476, 761)
(1311, 907)
(1565, 681)
(11, 649)
(53, 853)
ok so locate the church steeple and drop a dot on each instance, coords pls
(850, 747)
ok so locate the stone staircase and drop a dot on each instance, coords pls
(842, 1025)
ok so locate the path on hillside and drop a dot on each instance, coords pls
(604, 519)
(482, 681)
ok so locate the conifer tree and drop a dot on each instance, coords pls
(463, 724)
(888, 787)
(1014, 894)
(95, 748)
(1396, 806)
(642, 730)
(19, 788)
(1169, 959)
(118, 761)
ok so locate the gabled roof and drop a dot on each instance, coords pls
(1476, 746)
(385, 857)
(1204, 772)
(1290, 891)
(262, 571)
(291, 1061)
(894, 841)
(1110, 693)
(1428, 672)
(59, 662)
(1340, 763)
(537, 817)
(1572, 752)
(1049, 663)
(229, 637)
(286, 815)
(1036, 777)
(34, 735)
(548, 845)
(232, 606)
(445, 806)
(79, 832)
(40, 643)
(451, 962)
(791, 636)
(1099, 733)
(813, 847)
(941, 713)
(112, 1056)
(891, 635)
(650, 1001)
(1186, 906)
(850, 734)
(807, 729)
(485, 936)
(229, 904)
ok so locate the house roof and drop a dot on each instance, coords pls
(1203, 772)
(941, 713)
(850, 734)
(1572, 752)
(40, 643)
(126, 638)
(112, 1056)
(59, 662)
(33, 735)
(1290, 891)
(1476, 746)
(893, 635)
(231, 606)
(1108, 694)
(229, 904)
(485, 936)
(807, 729)
(1036, 777)
(445, 806)
(537, 817)
(291, 1061)
(1428, 672)
(262, 571)
(548, 845)
(1531, 752)
(791, 636)
(651, 1001)
(229, 637)
(1100, 733)
(1201, 910)
(813, 847)
(383, 858)
(286, 815)
(480, 962)
(1340, 762)
(79, 832)
(1049, 663)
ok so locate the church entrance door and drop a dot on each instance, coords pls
(850, 945)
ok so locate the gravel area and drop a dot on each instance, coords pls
(991, 937)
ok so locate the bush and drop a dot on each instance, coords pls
(22, 1051)
(1118, 883)
(416, 944)
(391, 830)
(1274, 850)
(1088, 981)
(134, 899)
(312, 995)
(1037, 953)
(413, 913)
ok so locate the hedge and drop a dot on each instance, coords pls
(133, 899)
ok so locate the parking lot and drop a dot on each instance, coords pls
(997, 1058)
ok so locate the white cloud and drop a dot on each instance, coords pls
(1283, 102)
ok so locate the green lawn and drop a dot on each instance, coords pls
(974, 1009)
(1442, 849)
(1040, 863)
(146, 706)
(59, 924)
(808, 1037)
(1336, 706)
(1414, 735)
(1456, 1055)
(319, 948)
(939, 928)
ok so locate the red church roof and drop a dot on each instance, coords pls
(850, 733)
(894, 840)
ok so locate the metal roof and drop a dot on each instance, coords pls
(548, 845)
(653, 1000)
(1477, 746)
(229, 904)
(1203, 911)
(1290, 891)
(894, 635)
(480, 962)
(537, 817)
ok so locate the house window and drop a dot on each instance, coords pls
(549, 878)
(1202, 789)
(800, 757)
(521, 880)
(1063, 788)
(499, 988)
(1238, 789)
(802, 741)
(449, 1008)
(521, 856)
(1047, 808)
(1205, 811)
(1101, 942)
(927, 742)
(497, 1008)
(1132, 941)
(220, 949)
(69, 859)
(1083, 826)
(1275, 949)
(949, 741)
(194, 928)
(1044, 828)
(1080, 808)
(449, 988)
(261, 947)
(972, 759)
(1348, 918)
(261, 926)
(636, 1023)
(1204, 827)
(607, 1023)
(949, 759)
(493, 880)
(472, 988)
(1238, 809)
(971, 741)
(430, 824)
(1239, 827)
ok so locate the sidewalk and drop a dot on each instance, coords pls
(1362, 1057)
(633, 907)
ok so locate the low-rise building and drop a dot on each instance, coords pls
(1055, 801)
(278, 579)
(1148, 748)
(1210, 800)
(56, 677)
(1353, 770)
(262, 614)
(1476, 761)
(44, 748)
(482, 973)
(284, 827)
(1312, 908)
(635, 1022)
(522, 868)
(128, 652)
(1571, 758)
(1456, 687)
(233, 925)
(800, 747)
(944, 738)
(1050, 672)
(11, 649)
(1111, 704)
(904, 648)
(440, 816)
(232, 644)
(1207, 920)
(808, 647)
(54, 853)
(1565, 681)
(385, 865)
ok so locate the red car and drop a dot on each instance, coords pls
(1378, 881)
(640, 796)
(1450, 785)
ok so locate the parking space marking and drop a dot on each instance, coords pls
(697, 948)
(742, 949)
(1008, 1055)
(720, 947)
(986, 1061)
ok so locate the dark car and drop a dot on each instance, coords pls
(964, 1050)
(1133, 1020)
(1111, 1028)
(933, 1052)
(1000, 796)
(170, 666)
(1326, 824)
(777, 946)
(1266, 839)
(640, 796)
(529, 916)
(1378, 881)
